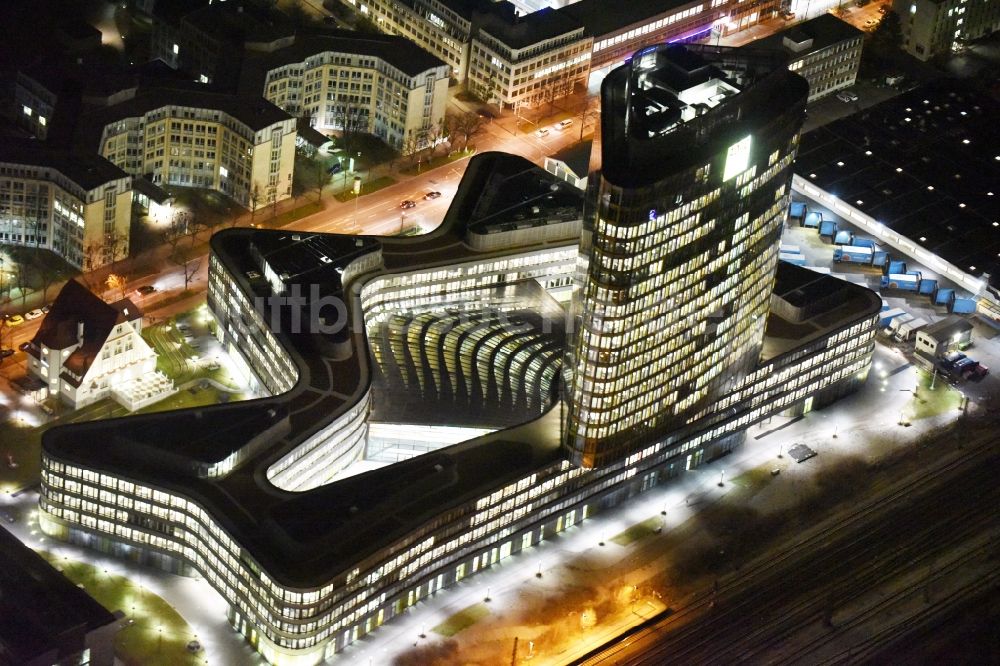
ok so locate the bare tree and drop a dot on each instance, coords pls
(188, 260)
(50, 269)
(272, 198)
(255, 198)
(467, 126)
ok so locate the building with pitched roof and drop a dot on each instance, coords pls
(86, 350)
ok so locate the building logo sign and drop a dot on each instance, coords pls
(737, 158)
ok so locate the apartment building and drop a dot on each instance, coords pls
(379, 84)
(935, 27)
(242, 147)
(528, 60)
(208, 41)
(825, 51)
(76, 205)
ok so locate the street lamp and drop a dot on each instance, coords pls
(722, 478)
(357, 195)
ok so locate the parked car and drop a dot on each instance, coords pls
(563, 124)
(335, 168)
(883, 9)
(4, 353)
(33, 314)
(407, 204)
(146, 289)
(45, 309)
(24, 346)
(432, 195)
(847, 96)
(14, 320)
(542, 132)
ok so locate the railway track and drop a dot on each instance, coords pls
(775, 595)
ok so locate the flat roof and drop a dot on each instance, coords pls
(239, 22)
(576, 157)
(521, 32)
(304, 539)
(834, 304)
(41, 609)
(925, 164)
(825, 30)
(398, 52)
(598, 19)
(86, 169)
(673, 105)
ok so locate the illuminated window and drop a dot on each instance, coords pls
(737, 158)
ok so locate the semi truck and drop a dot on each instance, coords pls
(894, 325)
(888, 315)
(895, 266)
(908, 329)
(902, 281)
(812, 219)
(843, 237)
(867, 255)
(927, 286)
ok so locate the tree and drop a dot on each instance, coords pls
(188, 260)
(888, 34)
(255, 198)
(466, 126)
(117, 282)
(272, 198)
(50, 269)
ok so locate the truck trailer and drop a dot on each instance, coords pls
(908, 329)
(896, 323)
(851, 254)
(888, 315)
(902, 281)
(812, 219)
(827, 229)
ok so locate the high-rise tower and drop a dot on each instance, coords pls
(680, 241)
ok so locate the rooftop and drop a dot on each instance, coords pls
(75, 305)
(273, 523)
(40, 609)
(254, 112)
(825, 30)
(598, 21)
(519, 32)
(806, 305)
(87, 170)
(671, 105)
(238, 22)
(398, 52)
(576, 157)
(925, 164)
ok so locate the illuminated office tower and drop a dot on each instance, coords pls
(680, 241)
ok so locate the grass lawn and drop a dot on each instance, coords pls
(158, 635)
(24, 444)
(288, 216)
(935, 402)
(366, 188)
(439, 160)
(463, 619)
(637, 531)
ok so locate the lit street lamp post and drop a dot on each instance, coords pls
(357, 195)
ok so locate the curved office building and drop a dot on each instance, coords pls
(279, 502)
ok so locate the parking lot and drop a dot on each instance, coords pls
(819, 253)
